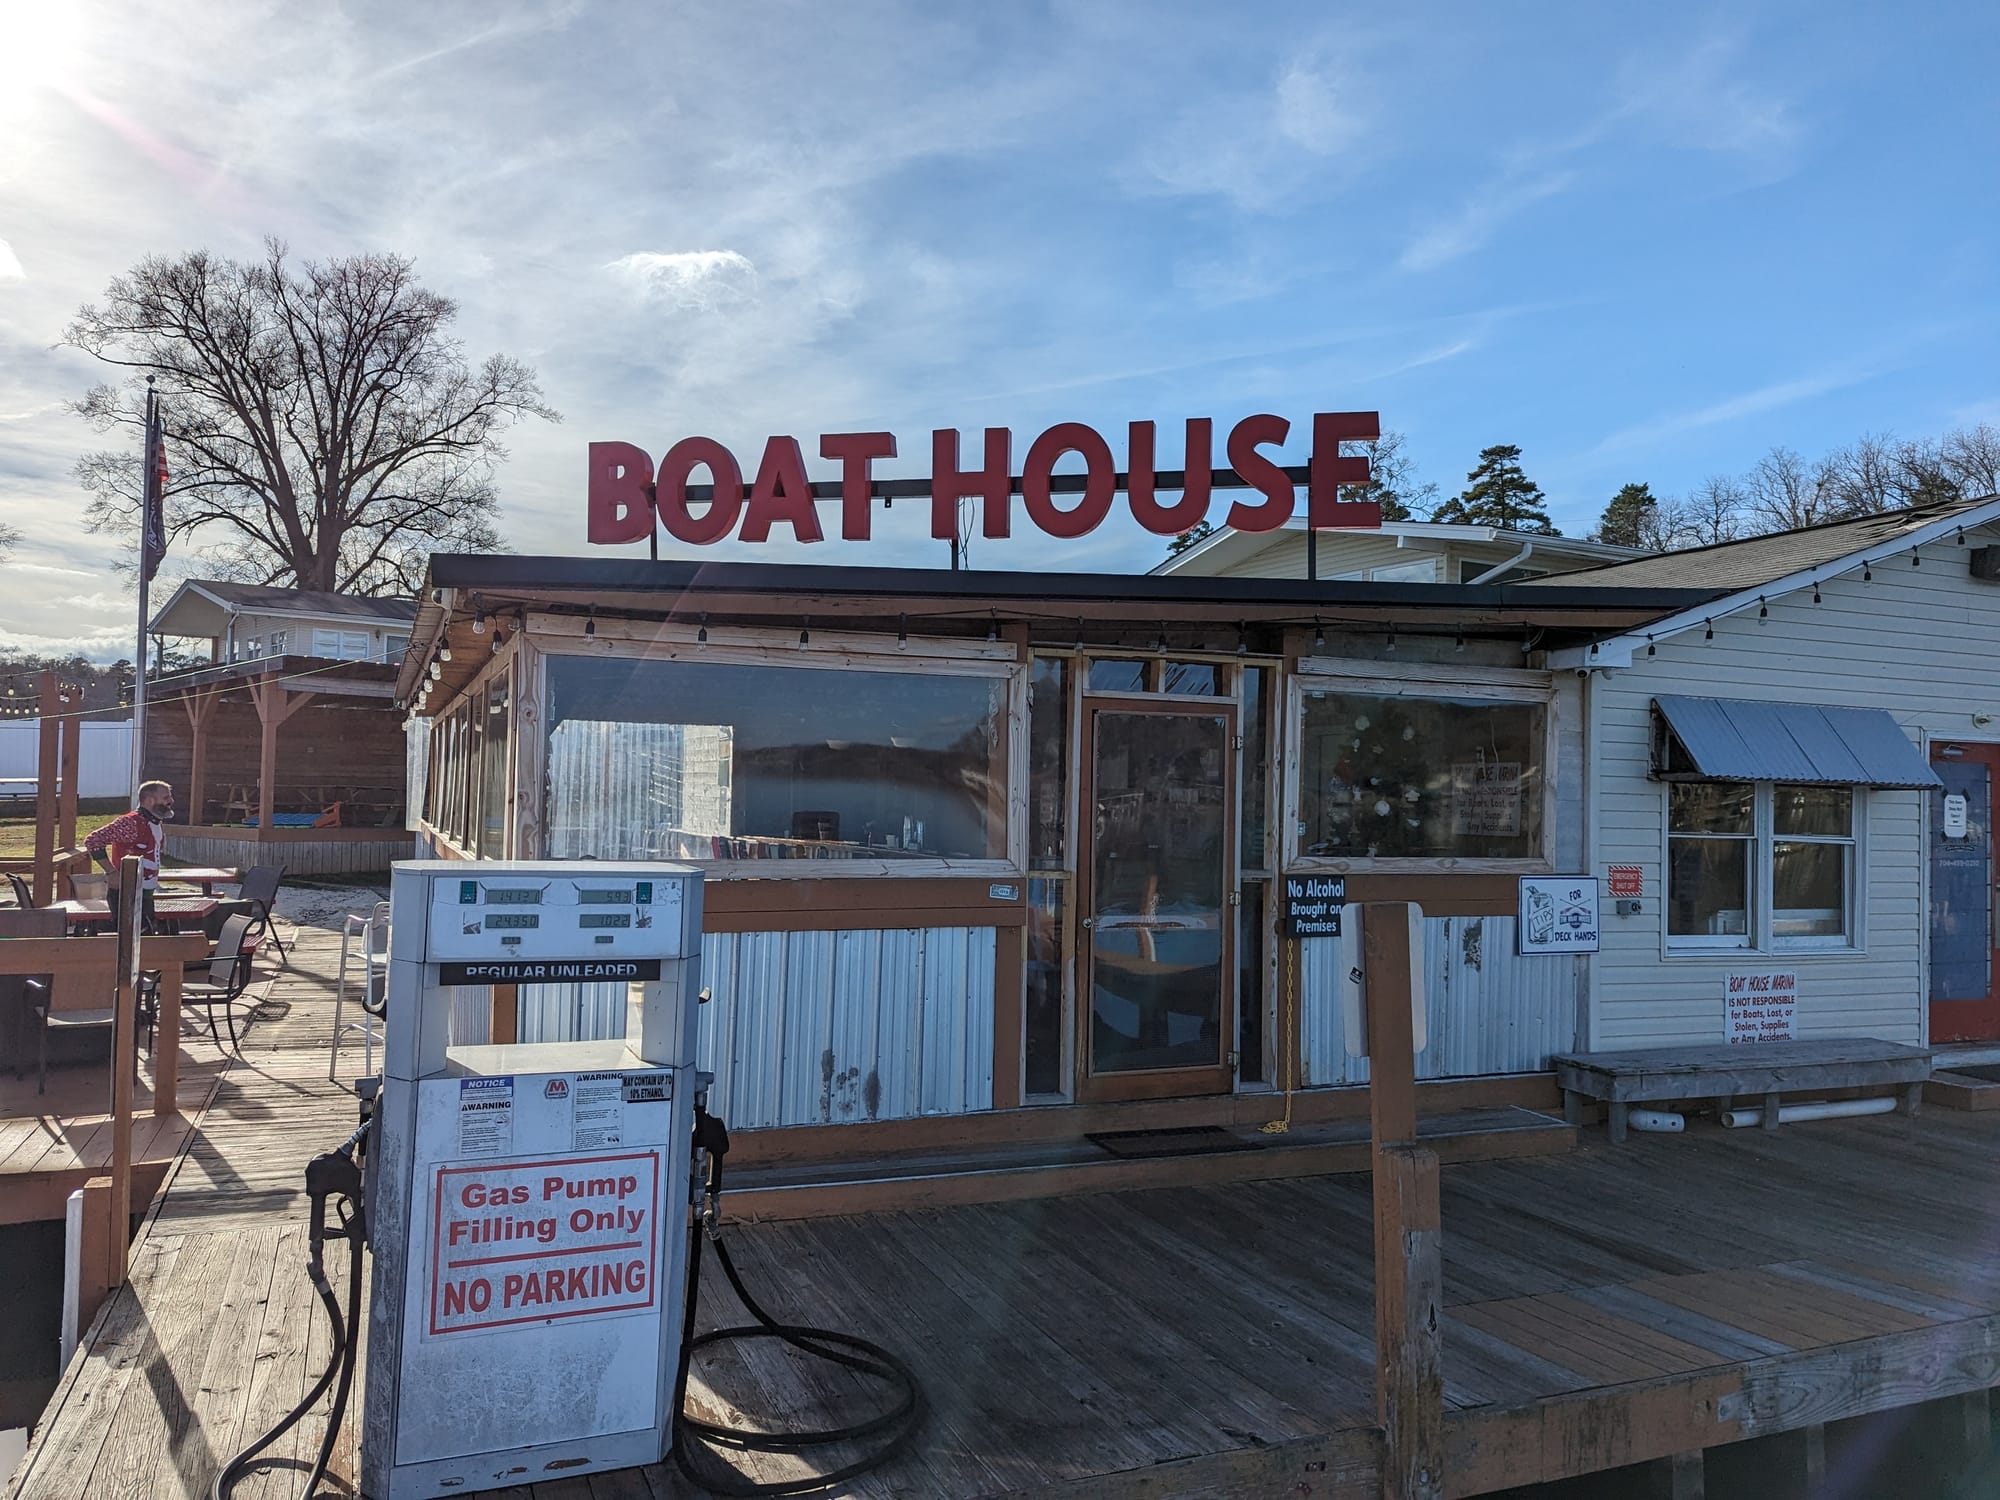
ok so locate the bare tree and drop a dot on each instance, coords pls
(324, 429)
(1784, 492)
(1713, 513)
(1972, 459)
(1863, 479)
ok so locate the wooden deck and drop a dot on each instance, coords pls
(50, 1144)
(1603, 1307)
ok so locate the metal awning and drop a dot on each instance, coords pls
(1735, 739)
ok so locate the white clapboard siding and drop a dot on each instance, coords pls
(1916, 641)
(819, 1028)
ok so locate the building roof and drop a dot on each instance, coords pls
(1224, 547)
(938, 600)
(196, 606)
(1756, 560)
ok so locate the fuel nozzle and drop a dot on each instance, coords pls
(333, 1174)
(711, 1136)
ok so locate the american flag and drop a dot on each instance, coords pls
(155, 544)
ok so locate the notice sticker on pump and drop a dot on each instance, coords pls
(485, 1116)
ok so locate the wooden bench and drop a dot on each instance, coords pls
(1723, 1072)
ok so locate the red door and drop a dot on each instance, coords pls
(1964, 966)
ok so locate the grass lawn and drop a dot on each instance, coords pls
(17, 823)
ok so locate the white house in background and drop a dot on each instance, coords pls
(1798, 779)
(1400, 552)
(245, 622)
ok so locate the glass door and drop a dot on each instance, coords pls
(1158, 928)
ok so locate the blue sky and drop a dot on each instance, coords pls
(1643, 243)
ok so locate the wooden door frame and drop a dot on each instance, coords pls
(1157, 1083)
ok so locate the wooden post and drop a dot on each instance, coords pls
(48, 755)
(504, 1025)
(1409, 1272)
(124, 1060)
(270, 701)
(274, 706)
(97, 1245)
(69, 758)
(167, 1039)
(198, 705)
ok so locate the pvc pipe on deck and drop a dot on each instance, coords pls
(1662, 1121)
(1737, 1119)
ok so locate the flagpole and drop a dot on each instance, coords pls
(147, 464)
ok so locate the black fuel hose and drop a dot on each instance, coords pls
(897, 1425)
(328, 1175)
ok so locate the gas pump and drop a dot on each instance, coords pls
(530, 1209)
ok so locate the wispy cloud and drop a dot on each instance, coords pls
(1765, 398)
(10, 263)
(1695, 100)
(1481, 216)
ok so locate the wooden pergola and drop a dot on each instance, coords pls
(60, 718)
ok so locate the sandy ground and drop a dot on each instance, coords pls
(327, 906)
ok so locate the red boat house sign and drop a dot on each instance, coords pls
(628, 496)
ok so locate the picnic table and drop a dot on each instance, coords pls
(207, 877)
(171, 912)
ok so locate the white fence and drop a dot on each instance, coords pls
(104, 759)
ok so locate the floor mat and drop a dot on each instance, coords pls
(1187, 1140)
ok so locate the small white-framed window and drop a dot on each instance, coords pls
(277, 643)
(340, 645)
(1762, 865)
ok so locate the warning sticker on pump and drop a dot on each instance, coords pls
(532, 1241)
(597, 1111)
(485, 1116)
(648, 1088)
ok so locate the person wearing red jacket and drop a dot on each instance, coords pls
(141, 831)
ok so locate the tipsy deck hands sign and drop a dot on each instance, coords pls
(628, 497)
(526, 1241)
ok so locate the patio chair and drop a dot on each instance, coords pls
(260, 888)
(372, 962)
(24, 897)
(228, 976)
(22, 994)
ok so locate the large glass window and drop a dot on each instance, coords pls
(1420, 778)
(1736, 849)
(493, 773)
(717, 760)
(1711, 832)
(1048, 758)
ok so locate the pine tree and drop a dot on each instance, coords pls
(1497, 493)
(1631, 519)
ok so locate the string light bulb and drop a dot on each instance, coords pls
(1242, 639)
(1458, 641)
(1763, 609)
(590, 623)
(1319, 639)
(1916, 558)
(1867, 574)
(1392, 639)
(902, 630)
(1651, 649)
(1815, 591)
(1961, 536)
(1709, 633)
(478, 622)
(805, 631)
(701, 635)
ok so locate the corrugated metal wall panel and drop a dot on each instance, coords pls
(471, 1020)
(1489, 1009)
(810, 1028)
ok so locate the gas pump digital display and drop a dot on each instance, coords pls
(477, 919)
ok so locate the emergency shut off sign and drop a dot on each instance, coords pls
(530, 1241)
